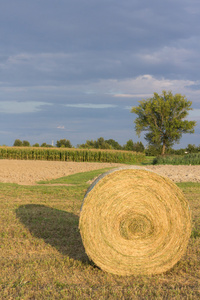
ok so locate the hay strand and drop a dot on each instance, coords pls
(134, 221)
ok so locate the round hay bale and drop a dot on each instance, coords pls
(134, 221)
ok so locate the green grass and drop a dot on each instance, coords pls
(189, 159)
(148, 160)
(78, 178)
(192, 191)
(42, 256)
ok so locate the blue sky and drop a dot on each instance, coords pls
(74, 68)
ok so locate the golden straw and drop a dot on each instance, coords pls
(134, 221)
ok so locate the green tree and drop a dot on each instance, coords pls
(138, 147)
(25, 144)
(152, 150)
(36, 145)
(114, 144)
(88, 145)
(46, 145)
(192, 148)
(18, 143)
(129, 145)
(101, 144)
(64, 144)
(163, 117)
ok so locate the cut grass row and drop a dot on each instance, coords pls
(78, 155)
(42, 256)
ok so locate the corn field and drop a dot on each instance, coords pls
(77, 155)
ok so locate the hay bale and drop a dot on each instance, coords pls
(134, 221)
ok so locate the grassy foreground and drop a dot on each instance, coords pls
(42, 256)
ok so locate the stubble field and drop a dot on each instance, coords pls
(41, 251)
(27, 172)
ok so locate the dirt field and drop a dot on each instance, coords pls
(29, 172)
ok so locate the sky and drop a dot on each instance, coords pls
(72, 69)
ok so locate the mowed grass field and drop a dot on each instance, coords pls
(42, 256)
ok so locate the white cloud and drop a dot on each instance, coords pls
(132, 95)
(91, 105)
(33, 57)
(14, 107)
(172, 55)
(139, 87)
(60, 127)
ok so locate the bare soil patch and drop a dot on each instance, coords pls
(27, 172)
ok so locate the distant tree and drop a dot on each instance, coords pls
(192, 148)
(64, 143)
(152, 150)
(102, 144)
(88, 145)
(178, 151)
(46, 145)
(115, 145)
(36, 145)
(18, 143)
(138, 147)
(25, 144)
(163, 117)
(129, 145)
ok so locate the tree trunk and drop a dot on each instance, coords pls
(163, 149)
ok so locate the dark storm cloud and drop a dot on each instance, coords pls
(57, 41)
(90, 60)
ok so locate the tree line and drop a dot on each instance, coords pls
(111, 144)
(100, 143)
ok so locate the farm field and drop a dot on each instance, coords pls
(41, 252)
(28, 172)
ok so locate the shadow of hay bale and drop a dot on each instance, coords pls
(56, 227)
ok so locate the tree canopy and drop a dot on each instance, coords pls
(100, 143)
(163, 117)
(26, 144)
(64, 143)
(131, 146)
(113, 144)
(18, 143)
